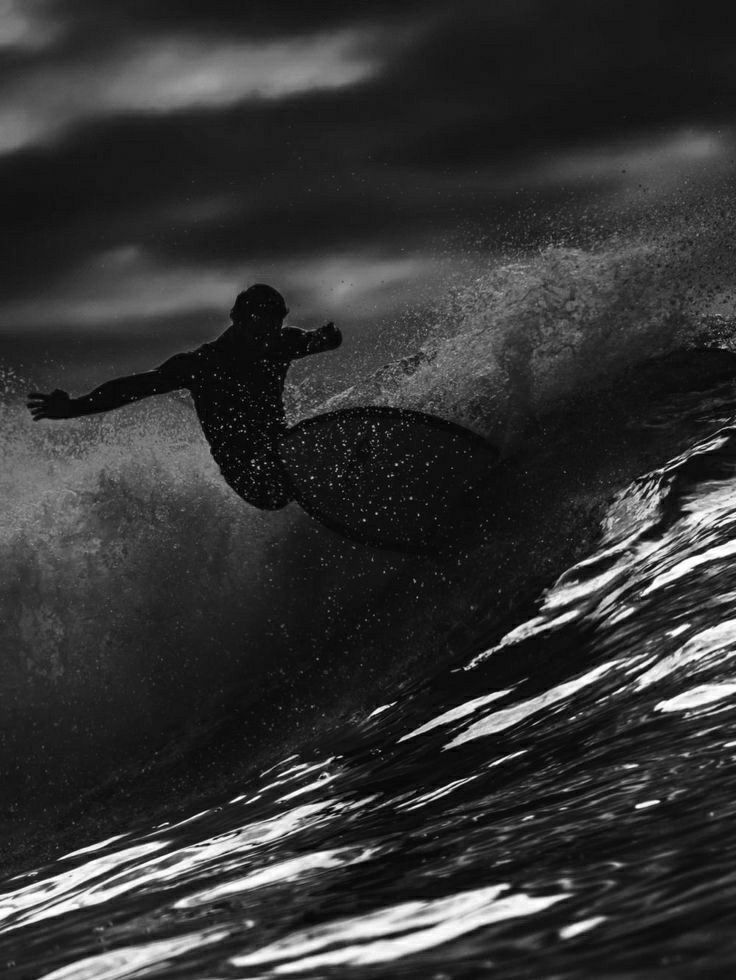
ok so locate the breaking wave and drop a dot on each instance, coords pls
(140, 596)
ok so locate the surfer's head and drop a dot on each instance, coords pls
(258, 309)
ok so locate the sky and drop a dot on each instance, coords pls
(157, 157)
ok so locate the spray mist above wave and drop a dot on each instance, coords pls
(139, 595)
(526, 334)
(119, 551)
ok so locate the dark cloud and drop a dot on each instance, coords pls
(534, 75)
(260, 18)
(454, 112)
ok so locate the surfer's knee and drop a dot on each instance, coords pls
(270, 502)
(264, 498)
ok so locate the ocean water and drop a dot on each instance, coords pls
(237, 746)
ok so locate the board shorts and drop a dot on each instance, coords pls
(255, 472)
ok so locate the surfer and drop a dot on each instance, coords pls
(237, 384)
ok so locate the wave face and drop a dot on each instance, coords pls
(265, 750)
(554, 798)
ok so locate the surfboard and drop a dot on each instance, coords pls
(388, 477)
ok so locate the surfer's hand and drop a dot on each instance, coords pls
(57, 405)
(331, 334)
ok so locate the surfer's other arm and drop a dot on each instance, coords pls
(302, 343)
(112, 394)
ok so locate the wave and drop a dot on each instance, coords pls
(515, 342)
(141, 599)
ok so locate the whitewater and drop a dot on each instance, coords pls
(237, 745)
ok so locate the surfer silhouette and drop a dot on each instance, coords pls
(237, 384)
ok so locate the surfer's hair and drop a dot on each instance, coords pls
(258, 298)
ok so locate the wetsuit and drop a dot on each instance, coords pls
(238, 394)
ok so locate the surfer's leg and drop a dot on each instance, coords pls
(272, 499)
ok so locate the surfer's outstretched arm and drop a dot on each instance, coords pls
(112, 394)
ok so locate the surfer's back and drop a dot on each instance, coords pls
(238, 388)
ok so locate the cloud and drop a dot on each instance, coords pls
(206, 207)
(120, 285)
(363, 285)
(178, 73)
(256, 19)
(183, 73)
(127, 284)
(304, 140)
(27, 25)
(659, 161)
